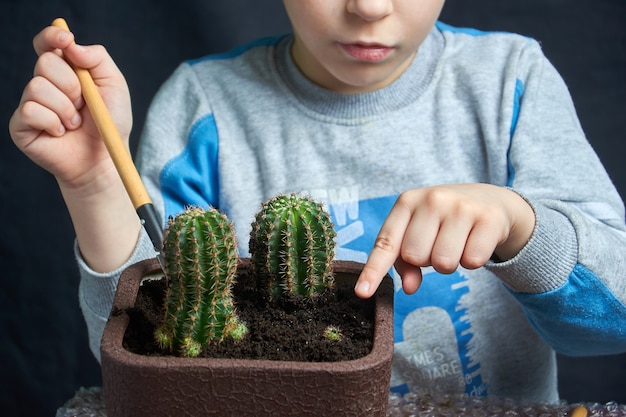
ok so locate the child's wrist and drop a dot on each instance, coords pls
(521, 229)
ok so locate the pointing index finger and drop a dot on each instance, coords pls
(384, 254)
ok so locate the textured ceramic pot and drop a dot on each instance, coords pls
(169, 386)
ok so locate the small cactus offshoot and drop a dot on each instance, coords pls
(200, 257)
(333, 334)
(292, 246)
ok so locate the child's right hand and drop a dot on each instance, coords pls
(53, 127)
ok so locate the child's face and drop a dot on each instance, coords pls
(353, 46)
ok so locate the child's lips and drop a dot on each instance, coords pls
(366, 52)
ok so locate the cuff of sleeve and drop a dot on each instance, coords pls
(98, 289)
(547, 260)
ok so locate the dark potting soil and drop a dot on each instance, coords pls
(288, 330)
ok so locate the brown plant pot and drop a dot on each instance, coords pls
(137, 385)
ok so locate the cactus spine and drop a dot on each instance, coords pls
(292, 246)
(200, 256)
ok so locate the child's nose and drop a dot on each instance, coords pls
(370, 10)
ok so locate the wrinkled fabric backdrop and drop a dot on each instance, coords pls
(44, 357)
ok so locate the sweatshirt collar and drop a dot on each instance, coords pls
(402, 92)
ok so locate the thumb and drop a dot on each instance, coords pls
(96, 60)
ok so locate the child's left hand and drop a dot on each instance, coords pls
(444, 227)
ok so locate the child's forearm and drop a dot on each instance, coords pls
(105, 223)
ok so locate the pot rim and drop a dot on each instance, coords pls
(130, 282)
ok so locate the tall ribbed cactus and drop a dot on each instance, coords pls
(292, 246)
(200, 257)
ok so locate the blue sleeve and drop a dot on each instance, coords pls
(569, 278)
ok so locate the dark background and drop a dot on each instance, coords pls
(44, 355)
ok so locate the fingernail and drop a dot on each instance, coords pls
(64, 35)
(363, 287)
(78, 104)
(75, 120)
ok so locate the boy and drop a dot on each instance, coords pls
(453, 155)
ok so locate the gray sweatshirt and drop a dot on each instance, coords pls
(233, 130)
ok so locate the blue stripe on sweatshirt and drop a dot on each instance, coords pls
(193, 177)
(597, 313)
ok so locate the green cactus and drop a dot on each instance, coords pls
(200, 257)
(292, 246)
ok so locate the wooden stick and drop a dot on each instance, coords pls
(119, 152)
